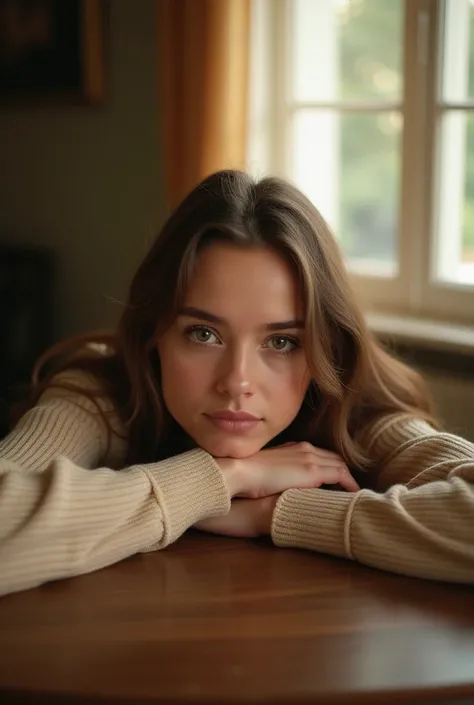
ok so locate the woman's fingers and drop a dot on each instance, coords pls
(330, 463)
(305, 448)
(272, 471)
(325, 467)
(330, 475)
(328, 456)
(326, 461)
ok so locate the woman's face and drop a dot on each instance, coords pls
(234, 371)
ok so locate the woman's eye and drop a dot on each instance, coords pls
(282, 343)
(202, 335)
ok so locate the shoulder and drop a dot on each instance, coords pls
(79, 387)
(82, 388)
(72, 418)
(82, 395)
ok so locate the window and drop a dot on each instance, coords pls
(368, 106)
(455, 224)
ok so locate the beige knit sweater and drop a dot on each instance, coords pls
(65, 510)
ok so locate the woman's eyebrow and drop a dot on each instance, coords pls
(199, 313)
(283, 325)
(194, 312)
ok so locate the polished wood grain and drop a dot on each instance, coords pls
(214, 620)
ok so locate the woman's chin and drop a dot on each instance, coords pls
(232, 447)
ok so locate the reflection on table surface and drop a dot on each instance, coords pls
(216, 620)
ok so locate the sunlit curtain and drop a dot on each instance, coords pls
(204, 58)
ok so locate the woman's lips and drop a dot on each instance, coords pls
(229, 422)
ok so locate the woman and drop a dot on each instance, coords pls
(241, 393)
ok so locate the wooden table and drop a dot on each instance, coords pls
(216, 621)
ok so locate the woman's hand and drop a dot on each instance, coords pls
(293, 465)
(247, 518)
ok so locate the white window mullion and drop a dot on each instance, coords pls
(447, 245)
(455, 68)
(413, 238)
(259, 115)
(453, 143)
(313, 158)
(267, 119)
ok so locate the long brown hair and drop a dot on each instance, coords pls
(355, 381)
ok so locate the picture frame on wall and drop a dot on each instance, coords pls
(51, 52)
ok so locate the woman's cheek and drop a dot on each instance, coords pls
(194, 367)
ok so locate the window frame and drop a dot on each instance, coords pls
(414, 291)
(439, 299)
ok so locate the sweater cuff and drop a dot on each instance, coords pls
(188, 487)
(314, 519)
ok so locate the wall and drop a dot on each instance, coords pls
(454, 397)
(449, 375)
(85, 181)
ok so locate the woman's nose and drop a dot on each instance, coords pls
(235, 376)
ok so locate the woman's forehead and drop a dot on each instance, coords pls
(230, 279)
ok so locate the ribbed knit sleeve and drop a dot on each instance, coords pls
(419, 522)
(61, 516)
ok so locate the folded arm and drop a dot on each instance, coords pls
(59, 517)
(420, 521)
